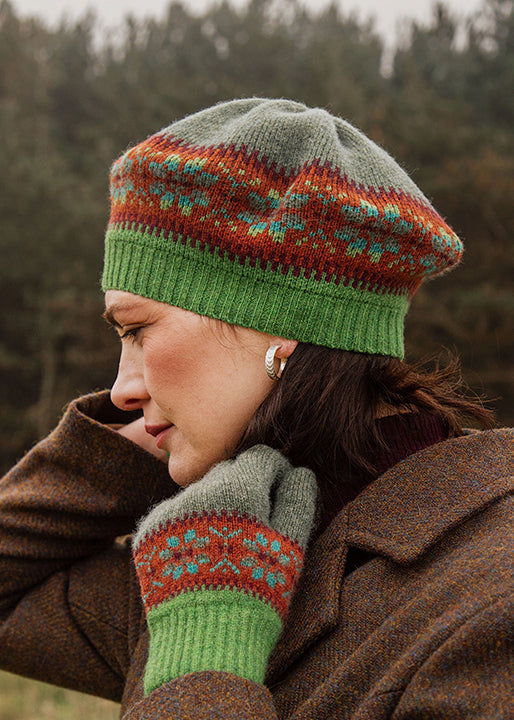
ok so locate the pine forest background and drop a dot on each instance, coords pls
(72, 99)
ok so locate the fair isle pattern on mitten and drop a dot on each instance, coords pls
(217, 552)
(216, 589)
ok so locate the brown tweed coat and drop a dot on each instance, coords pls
(403, 610)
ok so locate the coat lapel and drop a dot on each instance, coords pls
(411, 506)
(315, 606)
(399, 516)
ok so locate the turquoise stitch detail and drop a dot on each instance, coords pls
(391, 212)
(194, 165)
(157, 169)
(403, 227)
(258, 573)
(375, 252)
(147, 558)
(276, 231)
(192, 568)
(274, 198)
(296, 199)
(254, 230)
(157, 188)
(208, 179)
(261, 539)
(149, 593)
(258, 201)
(275, 545)
(341, 234)
(351, 213)
(369, 208)
(421, 227)
(202, 542)
(120, 192)
(355, 247)
(185, 205)
(283, 559)
(172, 162)
(167, 200)
(190, 535)
(224, 533)
(294, 221)
(442, 241)
(429, 262)
(392, 247)
(250, 544)
(172, 541)
(271, 579)
(248, 217)
(225, 563)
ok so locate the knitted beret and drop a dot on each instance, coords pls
(277, 217)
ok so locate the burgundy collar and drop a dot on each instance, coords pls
(404, 434)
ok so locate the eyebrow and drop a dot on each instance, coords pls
(109, 314)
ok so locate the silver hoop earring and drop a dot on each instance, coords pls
(269, 362)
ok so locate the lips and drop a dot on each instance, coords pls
(156, 429)
(159, 432)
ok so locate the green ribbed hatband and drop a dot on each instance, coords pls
(278, 217)
(211, 285)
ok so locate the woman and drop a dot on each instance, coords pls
(338, 545)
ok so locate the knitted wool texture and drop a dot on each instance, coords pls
(278, 217)
(218, 564)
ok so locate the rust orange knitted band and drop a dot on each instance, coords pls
(278, 217)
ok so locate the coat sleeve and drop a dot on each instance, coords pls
(206, 695)
(69, 601)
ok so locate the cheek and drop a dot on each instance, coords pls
(208, 389)
(165, 369)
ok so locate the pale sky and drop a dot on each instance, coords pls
(388, 13)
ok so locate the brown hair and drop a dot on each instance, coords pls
(323, 411)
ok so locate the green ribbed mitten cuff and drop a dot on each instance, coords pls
(224, 630)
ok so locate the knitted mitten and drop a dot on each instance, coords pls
(218, 564)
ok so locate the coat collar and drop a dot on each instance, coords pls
(398, 516)
(412, 505)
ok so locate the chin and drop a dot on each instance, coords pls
(184, 476)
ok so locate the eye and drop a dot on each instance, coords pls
(131, 333)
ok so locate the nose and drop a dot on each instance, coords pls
(129, 390)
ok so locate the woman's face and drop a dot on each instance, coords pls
(197, 381)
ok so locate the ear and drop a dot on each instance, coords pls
(285, 347)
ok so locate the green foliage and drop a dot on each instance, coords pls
(72, 100)
(20, 699)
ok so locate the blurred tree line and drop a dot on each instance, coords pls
(72, 99)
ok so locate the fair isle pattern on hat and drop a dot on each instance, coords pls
(271, 215)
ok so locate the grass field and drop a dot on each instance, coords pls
(22, 699)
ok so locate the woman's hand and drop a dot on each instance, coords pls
(218, 565)
(136, 432)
